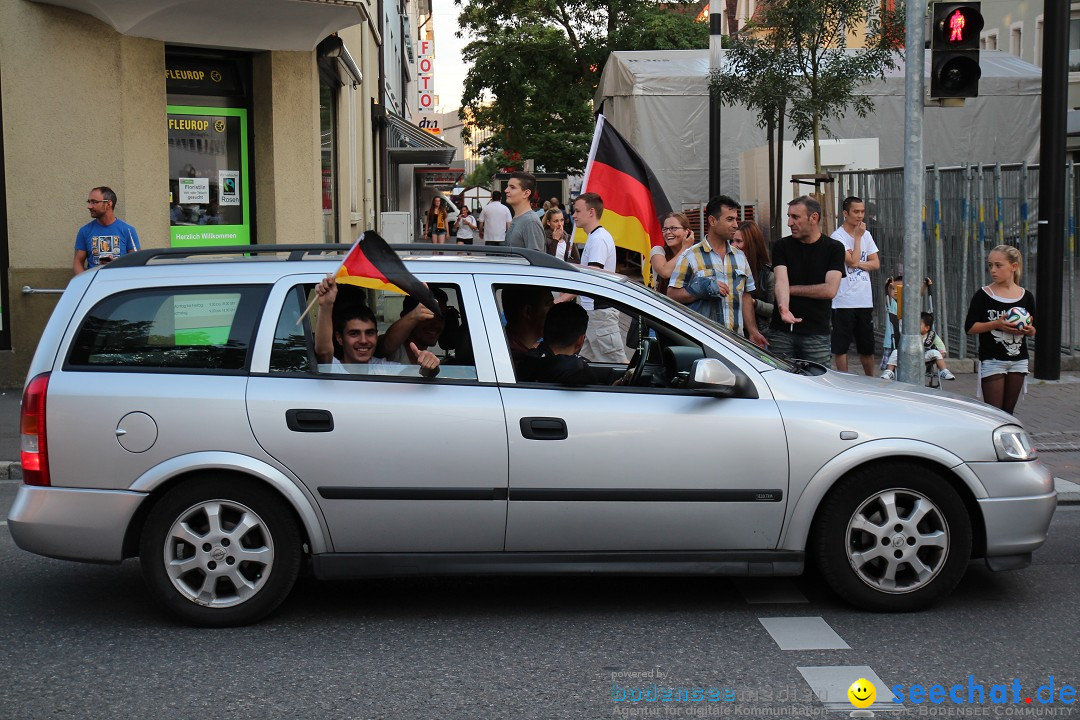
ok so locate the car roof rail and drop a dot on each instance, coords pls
(299, 252)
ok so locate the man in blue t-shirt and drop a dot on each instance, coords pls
(104, 238)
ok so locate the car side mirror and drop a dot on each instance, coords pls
(712, 376)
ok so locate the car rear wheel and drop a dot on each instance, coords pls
(220, 552)
(893, 539)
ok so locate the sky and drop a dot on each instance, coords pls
(449, 68)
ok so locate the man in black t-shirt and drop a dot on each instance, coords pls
(808, 268)
(556, 359)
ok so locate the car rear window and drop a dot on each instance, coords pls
(171, 328)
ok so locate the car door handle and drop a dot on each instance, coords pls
(541, 428)
(301, 420)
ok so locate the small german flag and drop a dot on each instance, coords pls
(372, 263)
(633, 198)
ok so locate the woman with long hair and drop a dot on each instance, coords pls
(559, 242)
(750, 240)
(466, 226)
(1002, 314)
(677, 237)
(436, 227)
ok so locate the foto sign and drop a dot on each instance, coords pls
(425, 78)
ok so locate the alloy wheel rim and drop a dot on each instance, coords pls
(897, 541)
(218, 553)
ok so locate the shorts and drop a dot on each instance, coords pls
(1000, 367)
(603, 338)
(464, 241)
(805, 347)
(853, 324)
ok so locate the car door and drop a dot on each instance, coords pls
(602, 468)
(398, 463)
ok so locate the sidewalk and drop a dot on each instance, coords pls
(1049, 410)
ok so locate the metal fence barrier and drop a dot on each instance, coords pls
(968, 211)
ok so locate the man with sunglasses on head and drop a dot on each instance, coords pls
(106, 237)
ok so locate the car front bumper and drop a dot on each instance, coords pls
(72, 524)
(1017, 512)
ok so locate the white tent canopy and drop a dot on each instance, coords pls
(658, 100)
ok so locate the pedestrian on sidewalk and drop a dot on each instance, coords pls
(853, 306)
(809, 267)
(525, 230)
(1002, 314)
(106, 237)
(493, 221)
(713, 277)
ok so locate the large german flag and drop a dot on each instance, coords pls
(371, 263)
(633, 199)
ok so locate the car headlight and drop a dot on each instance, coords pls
(1012, 443)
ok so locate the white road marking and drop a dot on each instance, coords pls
(830, 685)
(804, 633)
(767, 591)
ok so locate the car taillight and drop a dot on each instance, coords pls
(35, 453)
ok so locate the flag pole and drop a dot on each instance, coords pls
(315, 299)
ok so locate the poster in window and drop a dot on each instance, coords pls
(229, 187)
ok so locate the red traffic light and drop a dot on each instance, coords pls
(957, 26)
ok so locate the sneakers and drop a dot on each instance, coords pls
(946, 374)
(888, 375)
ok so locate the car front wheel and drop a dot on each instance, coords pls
(893, 539)
(220, 552)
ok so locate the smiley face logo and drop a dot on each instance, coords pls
(862, 693)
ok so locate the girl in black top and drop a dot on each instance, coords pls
(1003, 353)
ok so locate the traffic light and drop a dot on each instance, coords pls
(954, 70)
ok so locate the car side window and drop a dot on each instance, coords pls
(399, 329)
(592, 342)
(178, 329)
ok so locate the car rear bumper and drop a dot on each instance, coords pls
(71, 524)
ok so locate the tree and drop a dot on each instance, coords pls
(812, 38)
(760, 75)
(483, 172)
(535, 66)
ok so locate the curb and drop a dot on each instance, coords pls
(10, 470)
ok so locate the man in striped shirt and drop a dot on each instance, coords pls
(713, 278)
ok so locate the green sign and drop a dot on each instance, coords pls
(208, 177)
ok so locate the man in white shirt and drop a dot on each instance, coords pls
(494, 221)
(853, 306)
(603, 340)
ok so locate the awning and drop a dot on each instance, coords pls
(336, 64)
(241, 24)
(409, 145)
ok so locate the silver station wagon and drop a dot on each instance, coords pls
(176, 410)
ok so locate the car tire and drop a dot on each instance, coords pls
(220, 552)
(893, 538)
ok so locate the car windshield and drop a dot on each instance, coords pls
(745, 345)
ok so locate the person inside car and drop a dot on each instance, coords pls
(355, 330)
(525, 308)
(417, 326)
(556, 359)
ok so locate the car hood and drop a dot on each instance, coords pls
(881, 393)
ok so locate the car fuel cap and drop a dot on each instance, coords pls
(136, 432)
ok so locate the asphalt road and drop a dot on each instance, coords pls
(84, 641)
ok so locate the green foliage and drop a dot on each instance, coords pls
(794, 51)
(535, 67)
(483, 172)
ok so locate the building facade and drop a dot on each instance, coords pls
(253, 121)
